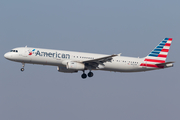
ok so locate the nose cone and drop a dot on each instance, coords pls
(7, 55)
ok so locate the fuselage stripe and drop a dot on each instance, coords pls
(152, 65)
(157, 61)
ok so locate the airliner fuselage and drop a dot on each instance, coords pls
(69, 61)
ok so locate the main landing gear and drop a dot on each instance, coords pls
(90, 74)
(22, 69)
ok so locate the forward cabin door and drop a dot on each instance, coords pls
(25, 52)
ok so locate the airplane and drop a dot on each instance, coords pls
(71, 62)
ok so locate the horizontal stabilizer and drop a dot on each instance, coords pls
(165, 65)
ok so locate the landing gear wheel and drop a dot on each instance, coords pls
(90, 74)
(22, 69)
(84, 76)
(23, 64)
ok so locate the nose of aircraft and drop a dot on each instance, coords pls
(7, 55)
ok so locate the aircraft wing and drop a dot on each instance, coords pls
(99, 61)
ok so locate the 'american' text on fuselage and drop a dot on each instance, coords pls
(54, 55)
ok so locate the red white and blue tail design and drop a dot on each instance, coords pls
(157, 57)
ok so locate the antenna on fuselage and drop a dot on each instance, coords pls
(119, 54)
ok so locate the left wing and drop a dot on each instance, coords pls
(99, 61)
(166, 64)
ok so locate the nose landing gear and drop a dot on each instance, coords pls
(22, 69)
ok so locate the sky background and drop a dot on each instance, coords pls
(130, 27)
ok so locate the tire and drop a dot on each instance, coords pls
(22, 69)
(84, 76)
(90, 74)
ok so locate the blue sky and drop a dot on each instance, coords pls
(130, 27)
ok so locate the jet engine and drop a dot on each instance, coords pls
(70, 67)
(75, 66)
(65, 70)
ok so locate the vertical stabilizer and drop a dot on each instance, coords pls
(159, 54)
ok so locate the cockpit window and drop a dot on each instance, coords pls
(14, 51)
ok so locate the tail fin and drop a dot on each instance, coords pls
(159, 54)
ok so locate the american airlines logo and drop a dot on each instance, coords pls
(31, 52)
(50, 54)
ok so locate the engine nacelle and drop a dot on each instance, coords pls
(65, 70)
(75, 66)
